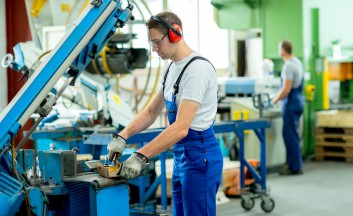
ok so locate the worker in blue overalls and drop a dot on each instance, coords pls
(189, 93)
(292, 107)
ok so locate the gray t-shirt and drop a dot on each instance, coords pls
(199, 84)
(293, 70)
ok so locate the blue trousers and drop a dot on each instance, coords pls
(291, 116)
(197, 173)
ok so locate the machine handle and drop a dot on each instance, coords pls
(261, 101)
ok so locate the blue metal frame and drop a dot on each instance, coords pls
(35, 85)
(237, 127)
(94, 28)
(108, 198)
(141, 139)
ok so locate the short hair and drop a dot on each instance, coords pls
(169, 17)
(286, 45)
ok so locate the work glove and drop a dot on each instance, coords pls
(117, 146)
(131, 168)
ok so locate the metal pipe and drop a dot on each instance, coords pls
(28, 134)
(35, 159)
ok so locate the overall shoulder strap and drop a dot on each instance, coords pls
(176, 85)
(165, 75)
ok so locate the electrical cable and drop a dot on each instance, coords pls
(139, 99)
(154, 86)
(70, 12)
(3, 151)
(105, 60)
(43, 54)
(96, 67)
(27, 201)
(14, 170)
(146, 6)
(144, 91)
(159, 64)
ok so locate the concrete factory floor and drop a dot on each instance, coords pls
(325, 189)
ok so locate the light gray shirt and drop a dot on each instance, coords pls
(199, 84)
(293, 70)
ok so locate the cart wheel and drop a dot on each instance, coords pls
(268, 205)
(247, 204)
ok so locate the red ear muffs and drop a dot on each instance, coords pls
(173, 35)
(174, 31)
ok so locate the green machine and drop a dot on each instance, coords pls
(280, 20)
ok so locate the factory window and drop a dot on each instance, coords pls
(211, 41)
(199, 28)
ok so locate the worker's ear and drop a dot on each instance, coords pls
(175, 34)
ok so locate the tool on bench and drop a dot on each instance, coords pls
(110, 171)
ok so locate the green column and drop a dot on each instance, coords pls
(311, 102)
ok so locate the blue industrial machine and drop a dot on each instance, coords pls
(247, 86)
(238, 128)
(56, 183)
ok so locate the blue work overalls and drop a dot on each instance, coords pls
(292, 108)
(198, 164)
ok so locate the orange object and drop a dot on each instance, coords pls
(341, 71)
(232, 188)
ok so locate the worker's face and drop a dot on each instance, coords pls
(160, 43)
(280, 50)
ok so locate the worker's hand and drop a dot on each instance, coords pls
(117, 146)
(131, 168)
(274, 101)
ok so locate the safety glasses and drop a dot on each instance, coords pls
(155, 43)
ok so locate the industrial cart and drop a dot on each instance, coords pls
(248, 196)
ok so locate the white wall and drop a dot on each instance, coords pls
(3, 75)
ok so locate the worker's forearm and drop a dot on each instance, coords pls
(282, 94)
(140, 123)
(171, 135)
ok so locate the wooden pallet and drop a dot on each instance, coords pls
(334, 157)
(334, 144)
(333, 152)
(333, 130)
(334, 140)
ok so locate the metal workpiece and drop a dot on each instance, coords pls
(109, 171)
(96, 180)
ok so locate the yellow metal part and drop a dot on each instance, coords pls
(108, 171)
(309, 92)
(37, 6)
(65, 7)
(325, 79)
(241, 115)
(117, 100)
